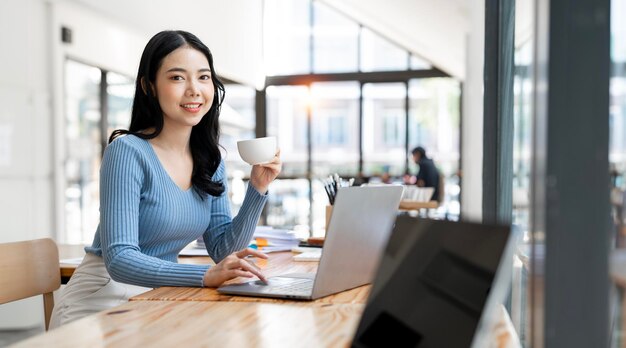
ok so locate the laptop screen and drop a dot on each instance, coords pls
(437, 284)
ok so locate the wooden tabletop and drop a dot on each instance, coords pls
(210, 324)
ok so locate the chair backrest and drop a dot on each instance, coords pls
(28, 269)
(442, 188)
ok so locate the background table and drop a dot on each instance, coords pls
(69, 251)
(406, 204)
(73, 251)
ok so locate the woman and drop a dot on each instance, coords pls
(163, 184)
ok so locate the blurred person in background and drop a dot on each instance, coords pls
(427, 175)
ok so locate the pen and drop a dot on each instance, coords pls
(327, 189)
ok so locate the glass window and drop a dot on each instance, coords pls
(617, 111)
(287, 120)
(522, 149)
(335, 140)
(237, 122)
(617, 162)
(617, 118)
(378, 54)
(84, 139)
(522, 137)
(290, 204)
(335, 121)
(384, 129)
(334, 36)
(83, 144)
(287, 37)
(434, 122)
(618, 31)
(325, 115)
(120, 93)
(522, 296)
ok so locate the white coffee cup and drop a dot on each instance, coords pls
(257, 151)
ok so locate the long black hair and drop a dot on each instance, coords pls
(147, 113)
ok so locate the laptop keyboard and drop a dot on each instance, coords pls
(294, 287)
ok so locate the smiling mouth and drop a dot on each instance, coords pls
(191, 107)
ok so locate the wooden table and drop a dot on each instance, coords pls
(72, 251)
(208, 324)
(171, 316)
(406, 204)
(277, 264)
(224, 320)
(69, 251)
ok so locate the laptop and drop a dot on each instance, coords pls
(438, 285)
(357, 233)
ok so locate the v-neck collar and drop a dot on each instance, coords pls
(162, 168)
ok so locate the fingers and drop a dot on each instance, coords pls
(250, 252)
(275, 168)
(247, 266)
(239, 264)
(240, 273)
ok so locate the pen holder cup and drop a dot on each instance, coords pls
(329, 212)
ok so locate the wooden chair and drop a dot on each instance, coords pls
(442, 188)
(28, 269)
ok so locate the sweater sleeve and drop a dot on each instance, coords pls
(226, 235)
(121, 180)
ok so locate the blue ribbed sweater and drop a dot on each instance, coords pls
(146, 219)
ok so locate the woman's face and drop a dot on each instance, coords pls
(184, 87)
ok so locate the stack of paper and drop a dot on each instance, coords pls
(265, 238)
(196, 248)
(269, 239)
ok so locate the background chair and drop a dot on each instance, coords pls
(28, 269)
(442, 188)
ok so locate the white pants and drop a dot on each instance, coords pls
(90, 290)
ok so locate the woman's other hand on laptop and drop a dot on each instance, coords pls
(233, 266)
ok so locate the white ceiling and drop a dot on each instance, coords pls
(433, 30)
(232, 29)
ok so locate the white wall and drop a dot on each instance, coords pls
(472, 124)
(96, 39)
(25, 138)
